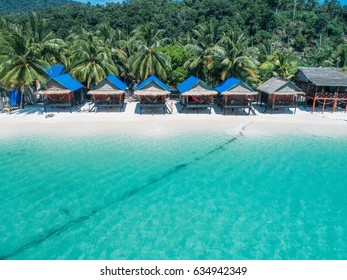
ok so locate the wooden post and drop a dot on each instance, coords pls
(334, 105)
(335, 100)
(273, 103)
(186, 98)
(70, 101)
(314, 100)
(323, 105)
(313, 105)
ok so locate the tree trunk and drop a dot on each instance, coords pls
(21, 105)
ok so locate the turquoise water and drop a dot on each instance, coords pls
(197, 196)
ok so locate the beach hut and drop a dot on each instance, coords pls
(52, 71)
(59, 92)
(279, 93)
(196, 94)
(152, 94)
(325, 86)
(108, 94)
(235, 94)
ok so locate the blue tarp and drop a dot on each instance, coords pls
(229, 84)
(14, 96)
(155, 80)
(55, 70)
(190, 83)
(68, 82)
(116, 82)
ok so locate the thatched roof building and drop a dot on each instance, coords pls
(234, 94)
(324, 77)
(279, 86)
(277, 93)
(152, 93)
(152, 86)
(193, 86)
(62, 84)
(108, 94)
(234, 86)
(196, 94)
(323, 85)
(111, 85)
(59, 91)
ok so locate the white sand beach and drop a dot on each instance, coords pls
(33, 120)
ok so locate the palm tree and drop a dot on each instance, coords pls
(280, 63)
(340, 56)
(47, 46)
(126, 49)
(184, 39)
(204, 49)
(90, 60)
(121, 48)
(148, 60)
(266, 49)
(235, 58)
(286, 64)
(20, 64)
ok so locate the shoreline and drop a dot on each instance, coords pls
(32, 121)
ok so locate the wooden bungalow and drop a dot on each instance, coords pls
(152, 94)
(108, 94)
(325, 86)
(235, 94)
(278, 93)
(196, 94)
(59, 92)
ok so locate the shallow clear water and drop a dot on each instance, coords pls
(196, 196)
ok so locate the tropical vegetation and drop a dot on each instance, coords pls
(25, 5)
(211, 39)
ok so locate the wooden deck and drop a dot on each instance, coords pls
(237, 107)
(197, 106)
(57, 105)
(279, 101)
(152, 106)
(326, 98)
(281, 105)
(108, 105)
(232, 104)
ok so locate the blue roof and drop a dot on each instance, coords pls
(116, 82)
(68, 82)
(55, 70)
(229, 84)
(154, 79)
(190, 83)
